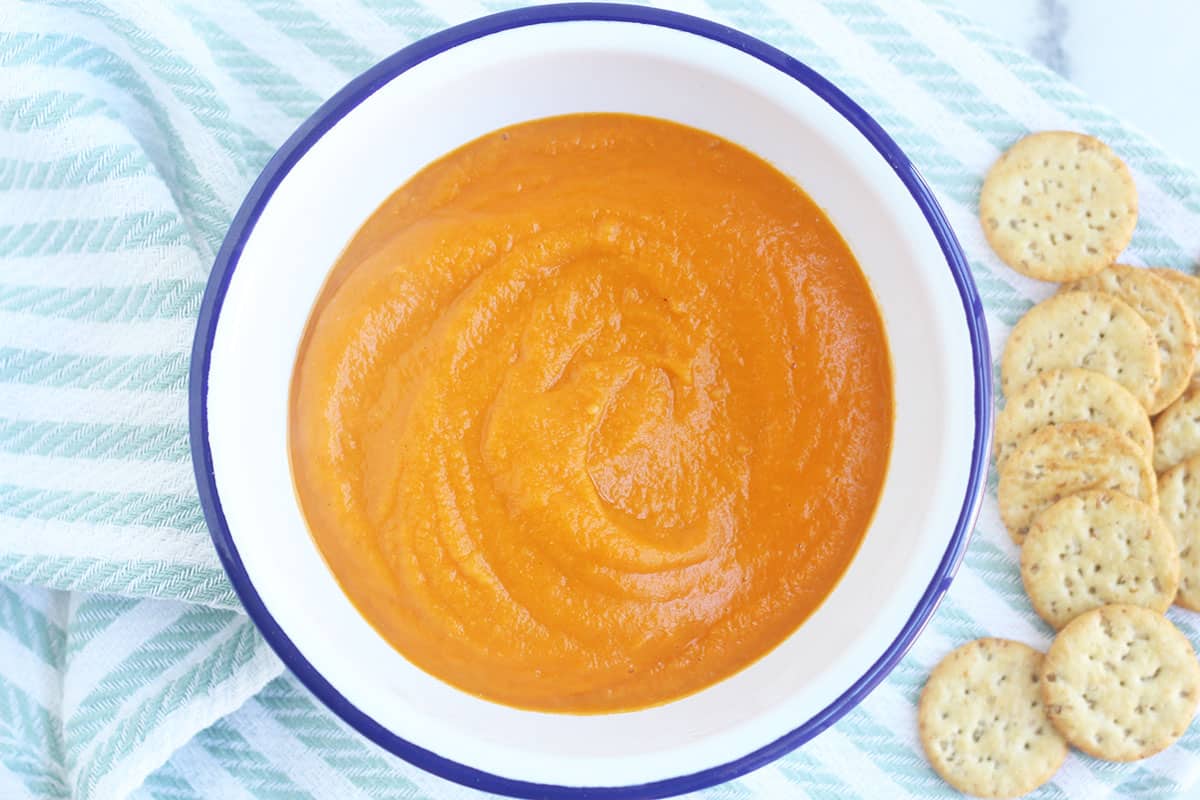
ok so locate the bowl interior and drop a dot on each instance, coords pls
(527, 73)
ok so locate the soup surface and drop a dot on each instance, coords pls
(592, 412)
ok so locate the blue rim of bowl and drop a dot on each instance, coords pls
(345, 101)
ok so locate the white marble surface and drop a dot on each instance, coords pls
(1138, 57)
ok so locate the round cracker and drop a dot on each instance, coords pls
(1061, 460)
(1070, 395)
(1177, 431)
(1091, 330)
(1121, 682)
(1058, 206)
(982, 723)
(1161, 306)
(1188, 287)
(1096, 548)
(1179, 505)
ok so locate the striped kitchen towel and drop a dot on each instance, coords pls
(129, 132)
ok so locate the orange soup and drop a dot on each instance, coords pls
(592, 413)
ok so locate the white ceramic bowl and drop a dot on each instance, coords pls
(441, 93)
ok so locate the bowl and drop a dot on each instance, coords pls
(447, 90)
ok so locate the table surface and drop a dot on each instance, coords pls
(1139, 59)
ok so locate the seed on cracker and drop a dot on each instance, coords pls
(982, 723)
(1179, 505)
(1177, 431)
(1091, 330)
(1096, 548)
(1058, 206)
(1188, 287)
(1161, 306)
(1121, 682)
(1070, 395)
(1061, 460)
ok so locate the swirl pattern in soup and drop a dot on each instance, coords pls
(593, 412)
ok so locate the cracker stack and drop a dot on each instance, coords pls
(1103, 503)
